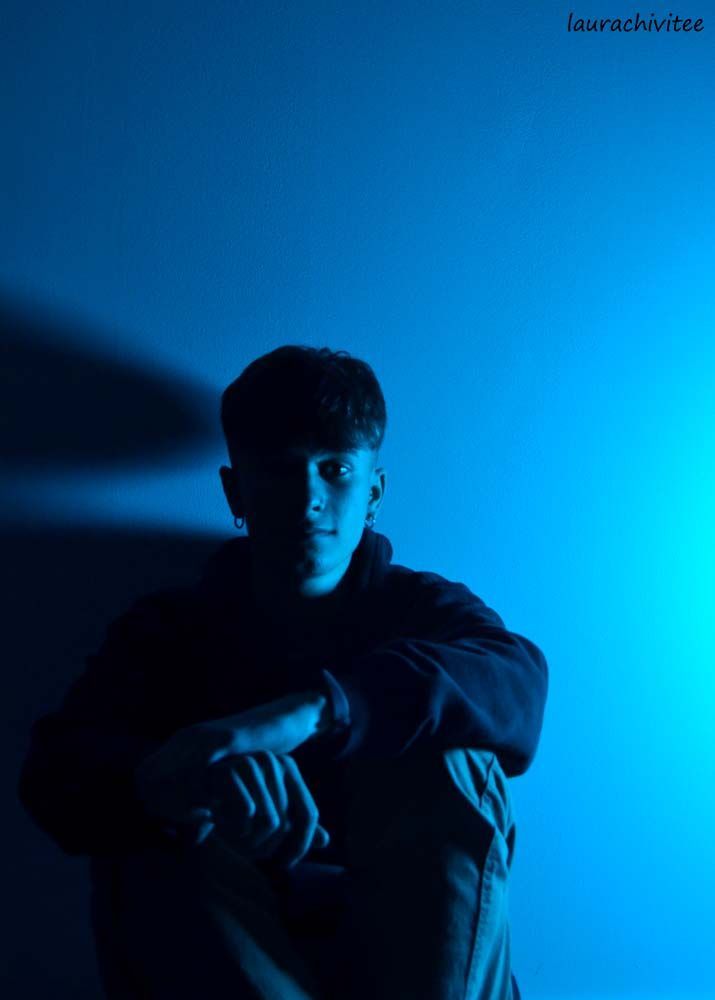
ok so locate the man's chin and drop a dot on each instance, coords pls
(308, 571)
(297, 561)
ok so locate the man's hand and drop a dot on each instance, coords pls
(262, 807)
(171, 783)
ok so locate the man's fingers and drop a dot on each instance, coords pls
(273, 772)
(263, 805)
(232, 804)
(303, 814)
(271, 822)
(322, 837)
(267, 819)
(264, 820)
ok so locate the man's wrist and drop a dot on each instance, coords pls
(324, 713)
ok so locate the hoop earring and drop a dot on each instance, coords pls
(236, 522)
(370, 520)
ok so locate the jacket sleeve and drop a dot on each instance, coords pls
(457, 678)
(77, 780)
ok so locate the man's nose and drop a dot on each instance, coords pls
(311, 487)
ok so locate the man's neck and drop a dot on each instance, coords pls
(294, 608)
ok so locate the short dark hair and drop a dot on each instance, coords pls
(303, 394)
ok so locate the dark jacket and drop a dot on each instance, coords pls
(412, 661)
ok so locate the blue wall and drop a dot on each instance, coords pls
(514, 225)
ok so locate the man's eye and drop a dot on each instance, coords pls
(336, 470)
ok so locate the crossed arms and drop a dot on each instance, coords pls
(454, 676)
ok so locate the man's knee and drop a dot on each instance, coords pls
(479, 778)
(460, 795)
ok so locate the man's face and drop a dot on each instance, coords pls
(305, 510)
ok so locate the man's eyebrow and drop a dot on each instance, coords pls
(344, 455)
(296, 454)
(338, 450)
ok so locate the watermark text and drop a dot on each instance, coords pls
(637, 23)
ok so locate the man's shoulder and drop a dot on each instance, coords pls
(427, 598)
(417, 591)
(160, 608)
(421, 581)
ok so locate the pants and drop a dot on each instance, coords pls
(418, 910)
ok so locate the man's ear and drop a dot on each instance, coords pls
(378, 482)
(232, 490)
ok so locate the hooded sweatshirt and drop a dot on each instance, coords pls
(409, 662)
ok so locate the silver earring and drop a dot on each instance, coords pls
(239, 522)
(370, 520)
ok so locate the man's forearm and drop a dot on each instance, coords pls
(279, 726)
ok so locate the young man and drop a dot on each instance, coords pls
(291, 778)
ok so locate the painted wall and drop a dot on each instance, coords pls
(513, 223)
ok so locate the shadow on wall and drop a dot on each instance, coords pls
(62, 586)
(66, 407)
